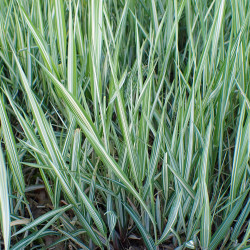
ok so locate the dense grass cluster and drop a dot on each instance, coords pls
(124, 124)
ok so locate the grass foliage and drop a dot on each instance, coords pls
(132, 116)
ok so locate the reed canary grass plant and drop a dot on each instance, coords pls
(124, 124)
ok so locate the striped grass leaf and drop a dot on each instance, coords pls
(72, 237)
(98, 101)
(145, 235)
(139, 101)
(171, 218)
(101, 187)
(182, 181)
(243, 94)
(90, 207)
(78, 33)
(217, 22)
(10, 144)
(95, 29)
(192, 219)
(206, 221)
(191, 139)
(173, 169)
(158, 211)
(88, 204)
(35, 144)
(244, 244)
(56, 161)
(111, 216)
(235, 171)
(69, 138)
(172, 36)
(245, 150)
(44, 218)
(52, 35)
(40, 41)
(41, 122)
(20, 42)
(40, 17)
(89, 230)
(132, 155)
(71, 65)
(220, 233)
(72, 81)
(241, 220)
(24, 242)
(45, 227)
(90, 132)
(155, 154)
(4, 202)
(61, 30)
(154, 15)
(229, 72)
(74, 233)
(27, 128)
(165, 178)
(76, 149)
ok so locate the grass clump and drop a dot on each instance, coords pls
(124, 124)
